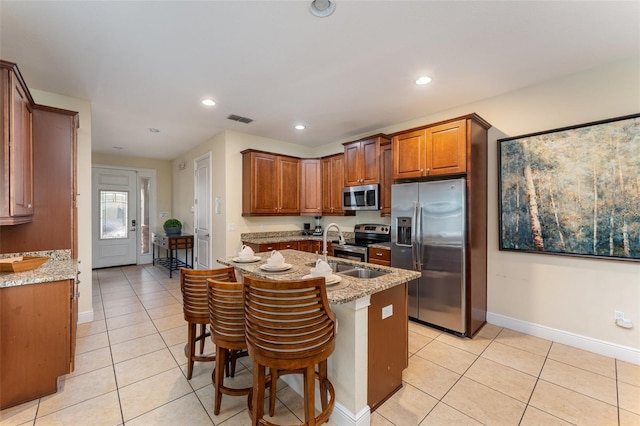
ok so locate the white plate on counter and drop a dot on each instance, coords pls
(255, 259)
(330, 280)
(269, 268)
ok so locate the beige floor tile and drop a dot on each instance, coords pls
(186, 410)
(408, 406)
(443, 415)
(484, 404)
(523, 341)
(515, 358)
(417, 341)
(90, 328)
(572, 406)
(149, 293)
(378, 420)
(163, 301)
(77, 389)
(585, 360)
(475, 346)
(503, 379)
(534, 417)
(424, 330)
(123, 310)
(628, 373)
(123, 296)
(488, 331)
(629, 419)
(19, 414)
(144, 366)
(131, 332)
(429, 377)
(167, 323)
(137, 347)
(124, 301)
(90, 361)
(101, 410)
(127, 320)
(582, 381)
(447, 356)
(149, 394)
(98, 314)
(629, 397)
(175, 335)
(165, 311)
(233, 409)
(91, 343)
(178, 354)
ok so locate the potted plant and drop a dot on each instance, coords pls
(172, 226)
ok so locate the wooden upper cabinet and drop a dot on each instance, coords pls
(432, 151)
(311, 187)
(270, 184)
(386, 179)
(16, 185)
(362, 161)
(333, 169)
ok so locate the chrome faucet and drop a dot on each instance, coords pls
(324, 239)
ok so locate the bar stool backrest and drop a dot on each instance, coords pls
(193, 284)
(226, 312)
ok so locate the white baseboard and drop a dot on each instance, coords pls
(623, 353)
(86, 316)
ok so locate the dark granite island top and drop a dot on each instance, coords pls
(347, 290)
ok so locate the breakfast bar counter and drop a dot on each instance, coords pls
(350, 299)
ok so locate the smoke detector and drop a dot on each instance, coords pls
(322, 8)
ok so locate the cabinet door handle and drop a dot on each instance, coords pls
(378, 254)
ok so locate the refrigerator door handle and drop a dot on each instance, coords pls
(414, 237)
(419, 236)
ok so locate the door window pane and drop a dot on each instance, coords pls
(145, 184)
(113, 214)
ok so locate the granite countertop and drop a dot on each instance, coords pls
(285, 236)
(347, 290)
(60, 266)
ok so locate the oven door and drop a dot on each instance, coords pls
(356, 253)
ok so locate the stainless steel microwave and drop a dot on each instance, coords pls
(363, 197)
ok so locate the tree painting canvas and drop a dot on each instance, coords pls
(572, 191)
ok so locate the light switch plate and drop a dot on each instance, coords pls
(387, 311)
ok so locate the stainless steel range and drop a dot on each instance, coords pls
(365, 235)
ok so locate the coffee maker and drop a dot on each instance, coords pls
(318, 230)
(307, 229)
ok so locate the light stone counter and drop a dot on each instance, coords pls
(347, 290)
(59, 267)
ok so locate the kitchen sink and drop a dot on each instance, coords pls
(354, 271)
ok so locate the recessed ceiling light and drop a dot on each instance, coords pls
(423, 80)
(154, 130)
(322, 8)
(300, 127)
(208, 102)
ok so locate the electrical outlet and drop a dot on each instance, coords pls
(619, 315)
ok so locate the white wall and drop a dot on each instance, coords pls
(565, 298)
(83, 107)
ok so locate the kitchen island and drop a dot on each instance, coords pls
(350, 300)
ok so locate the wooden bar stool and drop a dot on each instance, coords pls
(195, 306)
(226, 310)
(290, 329)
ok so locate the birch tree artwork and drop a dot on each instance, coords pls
(573, 191)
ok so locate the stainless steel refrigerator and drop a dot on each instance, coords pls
(428, 235)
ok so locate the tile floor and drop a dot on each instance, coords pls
(130, 369)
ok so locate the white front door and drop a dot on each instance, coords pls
(114, 217)
(202, 219)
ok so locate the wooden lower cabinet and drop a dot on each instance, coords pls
(388, 344)
(380, 256)
(311, 246)
(37, 339)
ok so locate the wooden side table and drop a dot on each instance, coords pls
(171, 244)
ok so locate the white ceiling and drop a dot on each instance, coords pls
(149, 64)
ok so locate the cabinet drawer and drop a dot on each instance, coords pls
(379, 254)
(289, 245)
(268, 247)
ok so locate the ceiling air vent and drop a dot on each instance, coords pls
(244, 120)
